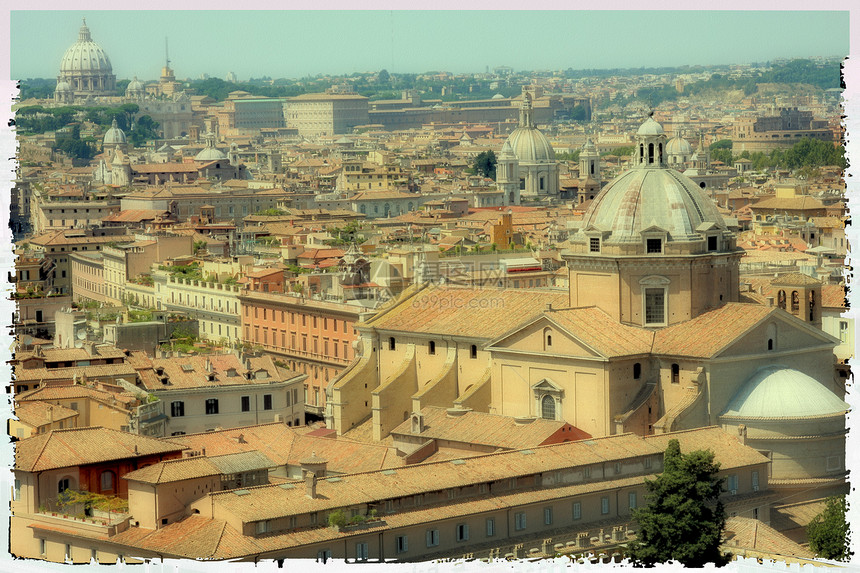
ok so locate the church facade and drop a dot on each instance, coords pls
(650, 338)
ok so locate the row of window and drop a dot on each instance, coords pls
(314, 318)
(177, 407)
(461, 530)
(431, 347)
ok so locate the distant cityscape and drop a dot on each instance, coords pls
(416, 316)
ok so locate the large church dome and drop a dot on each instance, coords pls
(642, 198)
(86, 67)
(85, 55)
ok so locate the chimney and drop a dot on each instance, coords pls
(313, 468)
(51, 414)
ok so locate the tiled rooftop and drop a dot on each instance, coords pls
(81, 446)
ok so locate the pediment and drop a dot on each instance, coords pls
(530, 338)
(547, 385)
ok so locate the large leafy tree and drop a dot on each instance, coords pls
(485, 164)
(684, 518)
(829, 533)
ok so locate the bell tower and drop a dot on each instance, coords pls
(507, 176)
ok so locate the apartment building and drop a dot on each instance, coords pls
(312, 336)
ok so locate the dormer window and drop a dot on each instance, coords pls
(594, 245)
(712, 243)
(653, 246)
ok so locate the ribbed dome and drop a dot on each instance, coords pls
(644, 197)
(114, 135)
(782, 392)
(85, 55)
(678, 146)
(650, 127)
(210, 154)
(63, 87)
(134, 85)
(530, 145)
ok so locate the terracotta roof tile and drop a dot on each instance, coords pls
(598, 330)
(487, 429)
(81, 446)
(37, 413)
(710, 332)
(472, 312)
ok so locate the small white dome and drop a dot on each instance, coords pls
(678, 146)
(114, 135)
(63, 86)
(650, 127)
(134, 86)
(210, 154)
(782, 392)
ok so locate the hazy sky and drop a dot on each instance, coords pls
(296, 44)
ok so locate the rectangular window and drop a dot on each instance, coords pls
(617, 467)
(246, 403)
(577, 510)
(653, 245)
(262, 527)
(212, 406)
(519, 521)
(361, 552)
(267, 402)
(732, 484)
(755, 481)
(432, 537)
(712, 243)
(177, 409)
(594, 245)
(402, 543)
(604, 505)
(843, 331)
(547, 516)
(462, 532)
(17, 493)
(43, 546)
(631, 499)
(491, 527)
(655, 310)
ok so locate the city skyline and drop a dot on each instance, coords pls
(472, 41)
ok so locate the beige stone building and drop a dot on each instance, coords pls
(315, 115)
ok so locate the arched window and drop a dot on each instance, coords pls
(637, 371)
(547, 339)
(780, 299)
(547, 408)
(795, 302)
(650, 153)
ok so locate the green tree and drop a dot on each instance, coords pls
(684, 518)
(485, 164)
(829, 533)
